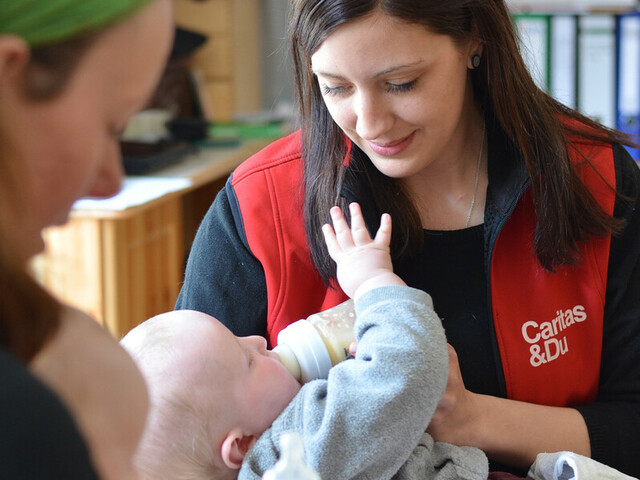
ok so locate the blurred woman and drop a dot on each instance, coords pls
(72, 72)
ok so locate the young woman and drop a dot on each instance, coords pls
(71, 74)
(516, 214)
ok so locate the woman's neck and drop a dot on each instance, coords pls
(450, 194)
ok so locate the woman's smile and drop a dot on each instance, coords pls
(392, 148)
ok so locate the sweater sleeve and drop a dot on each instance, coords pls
(222, 277)
(366, 419)
(613, 421)
(443, 461)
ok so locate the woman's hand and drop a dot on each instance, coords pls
(508, 431)
(455, 413)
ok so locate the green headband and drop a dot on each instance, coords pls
(41, 22)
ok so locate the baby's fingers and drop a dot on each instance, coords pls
(383, 235)
(359, 231)
(341, 228)
(331, 241)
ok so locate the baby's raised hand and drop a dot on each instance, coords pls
(362, 263)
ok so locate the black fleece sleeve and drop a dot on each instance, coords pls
(222, 277)
(613, 420)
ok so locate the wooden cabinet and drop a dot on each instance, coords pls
(227, 66)
(120, 269)
(124, 264)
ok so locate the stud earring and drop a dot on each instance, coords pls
(475, 61)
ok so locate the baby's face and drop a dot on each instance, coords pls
(263, 386)
(257, 386)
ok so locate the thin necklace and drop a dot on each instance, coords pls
(475, 189)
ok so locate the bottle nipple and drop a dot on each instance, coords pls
(288, 359)
(303, 352)
(291, 465)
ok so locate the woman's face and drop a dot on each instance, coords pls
(69, 145)
(399, 91)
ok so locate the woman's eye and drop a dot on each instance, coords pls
(327, 90)
(401, 87)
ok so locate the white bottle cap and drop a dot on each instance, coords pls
(306, 344)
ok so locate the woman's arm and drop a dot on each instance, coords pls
(508, 431)
(613, 420)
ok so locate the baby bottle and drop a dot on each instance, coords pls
(291, 465)
(308, 348)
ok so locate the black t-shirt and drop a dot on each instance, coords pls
(38, 438)
(457, 284)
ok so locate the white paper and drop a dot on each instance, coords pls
(135, 191)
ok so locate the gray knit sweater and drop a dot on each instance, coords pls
(368, 419)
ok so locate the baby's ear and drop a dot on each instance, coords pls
(235, 446)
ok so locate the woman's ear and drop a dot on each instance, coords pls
(474, 46)
(235, 446)
(14, 56)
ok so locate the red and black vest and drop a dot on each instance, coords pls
(548, 326)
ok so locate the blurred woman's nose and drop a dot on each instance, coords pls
(108, 180)
(373, 118)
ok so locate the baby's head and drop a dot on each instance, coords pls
(102, 388)
(212, 394)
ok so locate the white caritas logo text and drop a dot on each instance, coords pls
(547, 339)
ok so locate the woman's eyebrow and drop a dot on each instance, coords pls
(386, 71)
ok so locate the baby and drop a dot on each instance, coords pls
(101, 387)
(220, 403)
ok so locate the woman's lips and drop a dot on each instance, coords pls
(392, 148)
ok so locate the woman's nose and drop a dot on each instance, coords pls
(373, 118)
(108, 180)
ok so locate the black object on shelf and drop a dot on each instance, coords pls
(175, 93)
(186, 42)
(139, 158)
(188, 128)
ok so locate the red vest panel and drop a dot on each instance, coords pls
(276, 236)
(549, 325)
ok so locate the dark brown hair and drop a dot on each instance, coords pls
(29, 315)
(567, 214)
